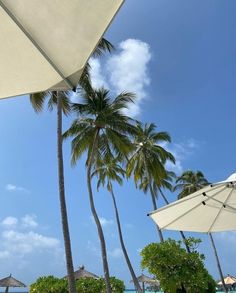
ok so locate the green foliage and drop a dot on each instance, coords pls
(51, 284)
(177, 270)
(190, 182)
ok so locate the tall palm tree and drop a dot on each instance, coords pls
(148, 158)
(61, 100)
(101, 128)
(188, 183)
(109, 169)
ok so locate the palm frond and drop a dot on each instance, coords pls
(37, 100)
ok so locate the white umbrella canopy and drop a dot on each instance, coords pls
(211, 209)
(45, 44)
(229, 280)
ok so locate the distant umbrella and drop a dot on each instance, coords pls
(229, 280)
(10, 282)
(147, 280)
(82, 273)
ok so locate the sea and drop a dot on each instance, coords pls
(126, 291)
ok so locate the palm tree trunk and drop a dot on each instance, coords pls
(181, 232)
(64, 219)
(218, 263)
(155, 208)
(135, 280)
(94, 212)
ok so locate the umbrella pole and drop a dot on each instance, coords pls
(143, 287)
(218, 263)
(6, 291)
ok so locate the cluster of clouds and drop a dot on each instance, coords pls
(20, 240)
(125, 70)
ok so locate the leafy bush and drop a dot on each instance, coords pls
(177, 270)
(51, 284)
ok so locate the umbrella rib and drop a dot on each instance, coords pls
(184, 199)
(184, 214)
(36, 45)
(223, 205)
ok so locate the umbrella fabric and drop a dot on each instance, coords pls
(11, 282)
(145, 279)
(229, 280)
(45, 44)
(211, 209)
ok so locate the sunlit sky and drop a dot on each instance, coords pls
(179, 58)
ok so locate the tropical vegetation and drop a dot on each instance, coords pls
(101, 128)
(109, 170)
(176, 269)
(61, 100)
(50, 284)
(148, 158)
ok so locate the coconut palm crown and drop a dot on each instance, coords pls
(190, 182)
(102, 116)
(149, 156)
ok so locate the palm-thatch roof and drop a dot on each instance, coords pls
(82, 273)
(11, 282)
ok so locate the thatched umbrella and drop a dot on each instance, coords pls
(147, 280)
(82, 273)
(10, 282)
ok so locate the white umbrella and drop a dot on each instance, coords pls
(46, 43)
(229, 280)
(211, 209)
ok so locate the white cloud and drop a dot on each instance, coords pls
(181, 151)
(126, 70)
(9, 222)
(97, 77)
(29, 221)
(115, 253)
(13, 188)
(105, 222)
(22, 245)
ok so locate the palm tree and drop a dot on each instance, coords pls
(101, 128)
(148, 158)
(62, 102)
(166, 183)
(188, 183)
(109, 169)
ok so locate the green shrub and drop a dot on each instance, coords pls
(51, 284)
(177, 270)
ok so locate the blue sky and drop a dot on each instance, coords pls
(179, 57)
